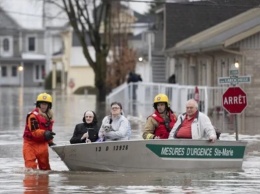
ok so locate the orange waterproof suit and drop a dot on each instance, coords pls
(35, 147)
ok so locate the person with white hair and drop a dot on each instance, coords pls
(87, 131)
(193, 124)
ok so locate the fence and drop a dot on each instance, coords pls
(137, 100)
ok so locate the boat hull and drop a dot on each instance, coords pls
(152, 155)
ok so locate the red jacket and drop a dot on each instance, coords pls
(41, 123)
(164, 128)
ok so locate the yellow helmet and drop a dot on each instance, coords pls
(160, 98)
(44, 97)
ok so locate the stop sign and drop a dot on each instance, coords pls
(234, 100)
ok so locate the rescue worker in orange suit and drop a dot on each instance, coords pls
(160, 123)
(38, 134)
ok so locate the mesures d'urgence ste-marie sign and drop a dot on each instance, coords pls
(189, 151)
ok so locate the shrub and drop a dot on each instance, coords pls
(86, 89)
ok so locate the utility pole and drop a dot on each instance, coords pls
(150, 39)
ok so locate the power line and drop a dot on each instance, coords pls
(33, 15)
(199, 3)
(195, 3)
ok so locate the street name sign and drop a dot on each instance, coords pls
(234, 80)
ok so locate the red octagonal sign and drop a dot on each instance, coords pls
(234, 100)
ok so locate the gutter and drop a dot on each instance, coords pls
(175, 51)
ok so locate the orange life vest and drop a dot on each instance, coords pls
(43, 123)
(164, 127)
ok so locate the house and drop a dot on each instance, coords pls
(58, 55)
(10, 58)
(52, 46)
(80, 74)
(205, 56)
(178, 21)
(142, 42)
(21, 54)
(36, 42)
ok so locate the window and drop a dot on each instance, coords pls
(39, 72)
(4, 71)
(43, 72)
(6, 45)
(31, 44)
(6, 48)
(14, 71)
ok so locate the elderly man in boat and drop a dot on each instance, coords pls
(160, 123)
(193, 124)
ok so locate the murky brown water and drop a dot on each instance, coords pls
(15, 103)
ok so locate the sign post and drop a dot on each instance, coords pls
(234, 99)
(71, 84)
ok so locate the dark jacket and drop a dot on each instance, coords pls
(82, 128)
(133, 77)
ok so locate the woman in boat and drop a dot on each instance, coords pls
(87, 131)
(160, 123)
(115, 126)
(193, 124)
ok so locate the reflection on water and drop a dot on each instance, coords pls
(15, 103)
(36, 183)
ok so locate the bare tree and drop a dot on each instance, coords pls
(104, 26)
(123, 57)
(91, 21)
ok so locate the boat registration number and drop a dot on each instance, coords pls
(113, 148)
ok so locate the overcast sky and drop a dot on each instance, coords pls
(28, 12)
(139, 7)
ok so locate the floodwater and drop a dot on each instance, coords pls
(69, 109)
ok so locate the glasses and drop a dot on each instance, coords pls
(115, 108)
(88, 116)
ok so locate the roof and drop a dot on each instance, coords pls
(147, 18)
(29, 13)
(33, 56)
(223, 34)
(7, 22)
(186, 19)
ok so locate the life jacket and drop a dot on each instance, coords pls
(43, 123)
(164, 127)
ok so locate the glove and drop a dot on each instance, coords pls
(52, 144)
(107, 127)
(48, 135)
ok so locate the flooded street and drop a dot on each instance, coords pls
(68, 110)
